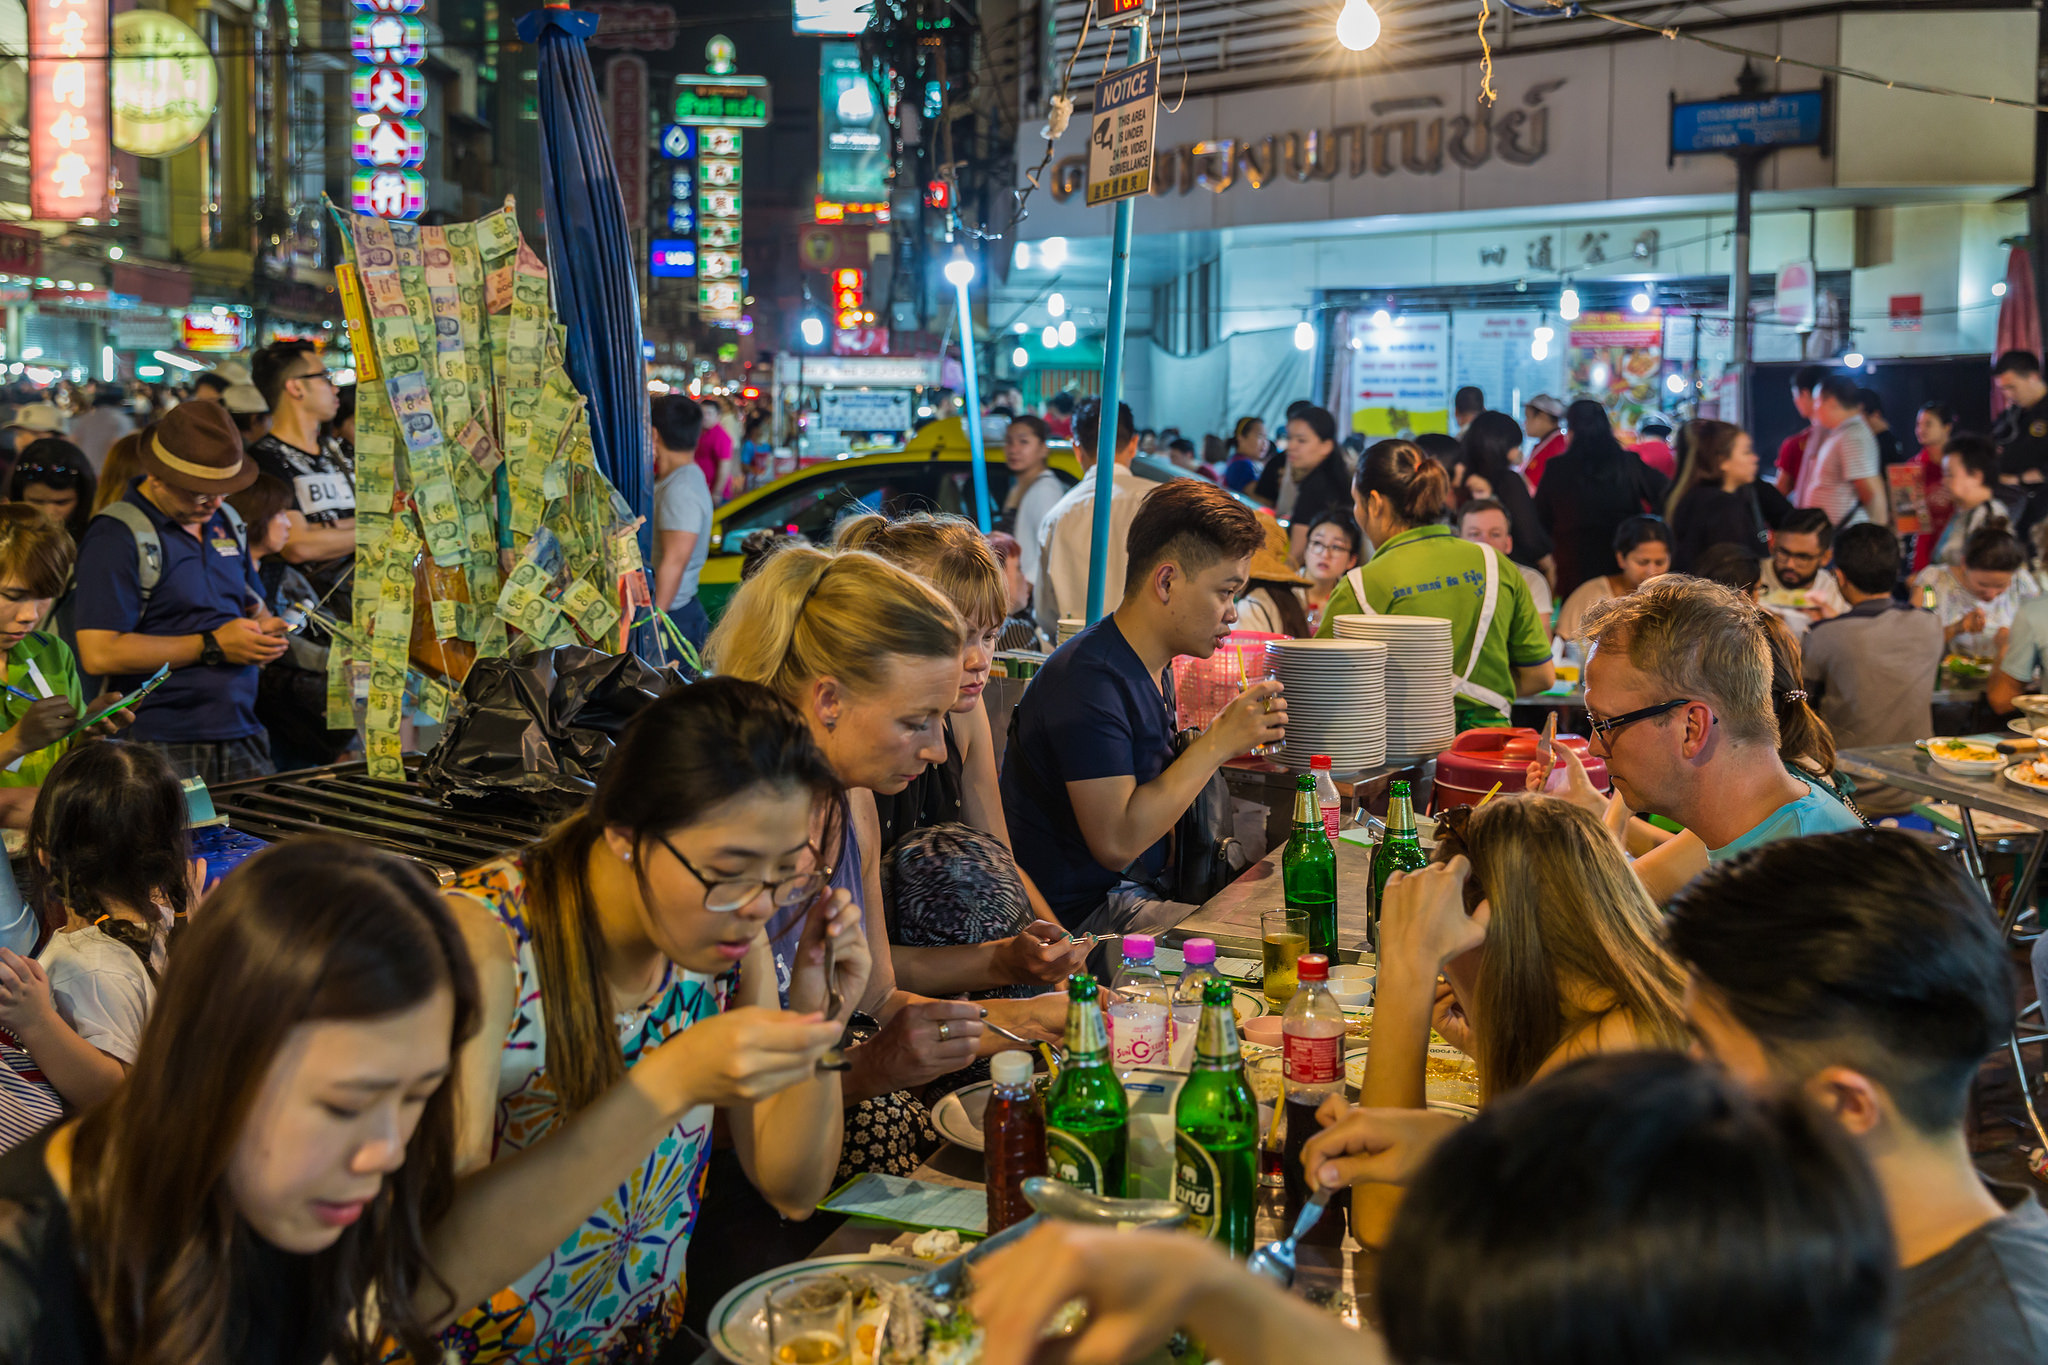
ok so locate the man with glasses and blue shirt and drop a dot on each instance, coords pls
(1678, 694)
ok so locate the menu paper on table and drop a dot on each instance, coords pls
(911, 1203)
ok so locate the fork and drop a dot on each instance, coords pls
(1275, 1260)
(834, 1057)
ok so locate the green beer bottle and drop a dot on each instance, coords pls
(1087, 1117)
(1308, 869)
(1399, 851)
(1216, 1132)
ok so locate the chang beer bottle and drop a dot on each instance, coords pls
(1216, 1132)
(1308, 868)
(1399, 851)
(1087, 1117)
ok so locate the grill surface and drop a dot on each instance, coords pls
(446, 837)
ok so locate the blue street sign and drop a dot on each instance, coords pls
(1797, 118)
(670, 258)
(678, 142)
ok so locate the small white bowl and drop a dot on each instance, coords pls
(1352, 1000)
(1968, 767)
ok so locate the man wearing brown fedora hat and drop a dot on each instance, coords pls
(164, 577)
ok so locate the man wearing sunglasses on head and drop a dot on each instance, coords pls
(1678, 696)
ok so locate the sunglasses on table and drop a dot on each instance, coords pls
(723, 896)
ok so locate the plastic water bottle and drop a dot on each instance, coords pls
(1140, 1016)
(1327, 796)
(1199, 958)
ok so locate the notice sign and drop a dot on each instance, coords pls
(1125, 121)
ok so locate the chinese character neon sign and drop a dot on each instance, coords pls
(70, 150)
(389, 142)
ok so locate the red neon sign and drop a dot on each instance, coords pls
(70, 154)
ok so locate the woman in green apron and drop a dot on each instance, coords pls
(1500, 648)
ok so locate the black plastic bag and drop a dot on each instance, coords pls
(542, 722)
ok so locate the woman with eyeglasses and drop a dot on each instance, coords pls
(1528, 943)
(621, 936)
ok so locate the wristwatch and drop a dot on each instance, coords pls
(210, 651)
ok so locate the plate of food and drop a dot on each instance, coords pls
(1449, 1077)
(1965, 669)
(2028, 773)
(1963, 757)
(738, 1325)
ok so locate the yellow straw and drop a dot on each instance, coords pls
(1489, 794)
(1244, 679)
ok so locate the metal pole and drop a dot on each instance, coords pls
(1112, 379)
(1738, 288)
(973, 382)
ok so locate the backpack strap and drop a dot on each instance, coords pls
(149, 547)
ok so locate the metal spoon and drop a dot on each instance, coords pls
(834, 1057)
(1275, 1260)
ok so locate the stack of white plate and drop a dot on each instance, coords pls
(1421, 716)
(1336, 694)
(1068, 628)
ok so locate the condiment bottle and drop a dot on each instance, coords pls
(1013, 1134)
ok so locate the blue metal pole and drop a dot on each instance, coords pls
(980, 460)
(1112, 380)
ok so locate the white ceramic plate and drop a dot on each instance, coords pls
(738, 1325)
(958, 1116)
(1963, 767)
(2022, 774)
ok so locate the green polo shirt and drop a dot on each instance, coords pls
(1430, 571)
(53, 659)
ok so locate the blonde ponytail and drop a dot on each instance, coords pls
(946, 551)
(812, 614)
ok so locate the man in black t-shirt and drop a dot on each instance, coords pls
(320, 470)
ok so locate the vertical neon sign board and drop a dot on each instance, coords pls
(387, 92)
(70, 145)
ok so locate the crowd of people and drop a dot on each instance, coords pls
(327, 1110)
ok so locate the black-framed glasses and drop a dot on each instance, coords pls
(1606, 728)
(723, 897)
(321, 373)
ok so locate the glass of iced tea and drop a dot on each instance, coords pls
(809, 1320)
(1283, 937)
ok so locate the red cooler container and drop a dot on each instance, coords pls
(1467, 770)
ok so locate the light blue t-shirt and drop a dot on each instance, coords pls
(682, 502)
(2026, 649)
(1817, 812)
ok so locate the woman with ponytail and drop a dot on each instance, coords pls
(1500, 647)
(610, 954)
(108, 849)
(962, 915)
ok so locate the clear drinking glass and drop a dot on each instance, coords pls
(809, 1321)
(1283, 937)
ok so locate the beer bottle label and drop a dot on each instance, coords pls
(1197, 1185)
(1312, 1061)
(1069, 1159)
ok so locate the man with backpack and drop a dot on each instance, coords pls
(165, 578)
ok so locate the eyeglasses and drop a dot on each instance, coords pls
(1797, 557)
(321, 374)
(1606, 728)
(724, 897)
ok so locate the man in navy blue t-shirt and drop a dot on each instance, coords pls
(1091, 787)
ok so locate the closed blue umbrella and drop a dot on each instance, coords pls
(590, 254)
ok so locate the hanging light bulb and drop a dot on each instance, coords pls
(1067, 332)
(1997, 289)
(1568, 304)
(1539, 349)
(1020, 358)
(1056, 304)
(1304, 335)
(1675, 382)
(1358, 26)
(1853, 360)
(1050, 338)
(814, 331)
(1020, 256)
(1382, 318)
(1641, 302)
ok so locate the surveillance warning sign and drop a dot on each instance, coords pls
(1121, 133)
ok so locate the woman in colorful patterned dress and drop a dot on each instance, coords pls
(609, 956)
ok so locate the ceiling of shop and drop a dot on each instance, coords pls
(1224, 44)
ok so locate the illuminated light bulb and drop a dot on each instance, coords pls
(959, 272)
(1020, 357)
(1358, 26)
(1053, 251)
(1641, 303)
(1545, 334)
(1056, 304)
(1020, 256)
(1067, 332)
(1675, 382)
(1568, 304)
(1382, 318)
(1020, 328)
(1050, 337)
(1304, 336)
(1539, 349)
(814, 332)
(1998, 290)
(1854, 360)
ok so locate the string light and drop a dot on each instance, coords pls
(1568, 304)
(1304, 335)
(1358, 26)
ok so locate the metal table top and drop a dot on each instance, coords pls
(1905, 767)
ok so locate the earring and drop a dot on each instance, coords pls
(831, 724)
(627, 856)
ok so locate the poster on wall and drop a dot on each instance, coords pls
(1495, 353)
(1618, 358)
(1399, 380)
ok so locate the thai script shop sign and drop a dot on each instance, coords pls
(1405, 137)
(390, 143)
(70, 155)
